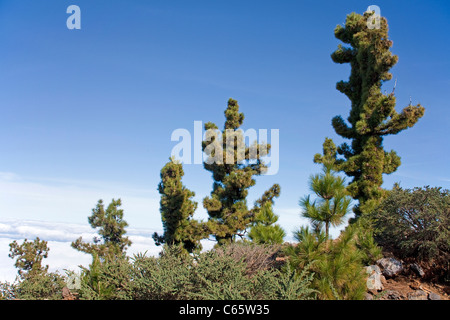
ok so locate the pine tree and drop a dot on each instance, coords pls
(29, 256)
(372, 115)
(264, 229)
(111, 225)
(233, 166)
(337, 266)
(177, 209)
(268, 196)
(35, 282)
(332, 204)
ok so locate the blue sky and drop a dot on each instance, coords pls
(88, 114)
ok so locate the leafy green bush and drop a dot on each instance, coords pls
(415, 223)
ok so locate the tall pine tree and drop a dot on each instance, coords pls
(233, 165)
(177, 209)
(372, 115)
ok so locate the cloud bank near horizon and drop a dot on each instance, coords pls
(59, 237)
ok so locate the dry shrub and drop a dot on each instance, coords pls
(257, 257)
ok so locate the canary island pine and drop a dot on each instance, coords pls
(372, 114)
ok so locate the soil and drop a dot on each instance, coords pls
(402, 287)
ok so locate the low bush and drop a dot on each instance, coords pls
(213, 275)
(415, 224)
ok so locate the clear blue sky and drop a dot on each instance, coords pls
(94, 108)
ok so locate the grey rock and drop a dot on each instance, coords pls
(417, 295)
(393, 295)
(373, 268)
(391, 267)
(368, 296)
(373, 282)
(434, 296)
(417, 269)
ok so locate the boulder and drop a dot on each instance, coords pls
(368, 296)
(418, 295)
(373, 268)
(383, 280)
(373, 282)
(434, 296)
(417, 269)
(391, 266)
(393, 295)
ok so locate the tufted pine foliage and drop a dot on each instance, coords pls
(111, 227)
(177, 209)
(265, 228)
(34, 281)
(233, 165)
(372, 114)
(29, 256)
(332, 203)
(337, 264)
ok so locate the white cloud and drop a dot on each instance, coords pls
(59, 237)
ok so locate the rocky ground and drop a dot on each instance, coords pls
(392, 279)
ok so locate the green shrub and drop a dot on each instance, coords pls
(237, 272)
(106, 280)
(40, 286)
(415, 223)
(7, 290)
(220, 277)
(166, 277)
(290, 285)
(34, 282)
